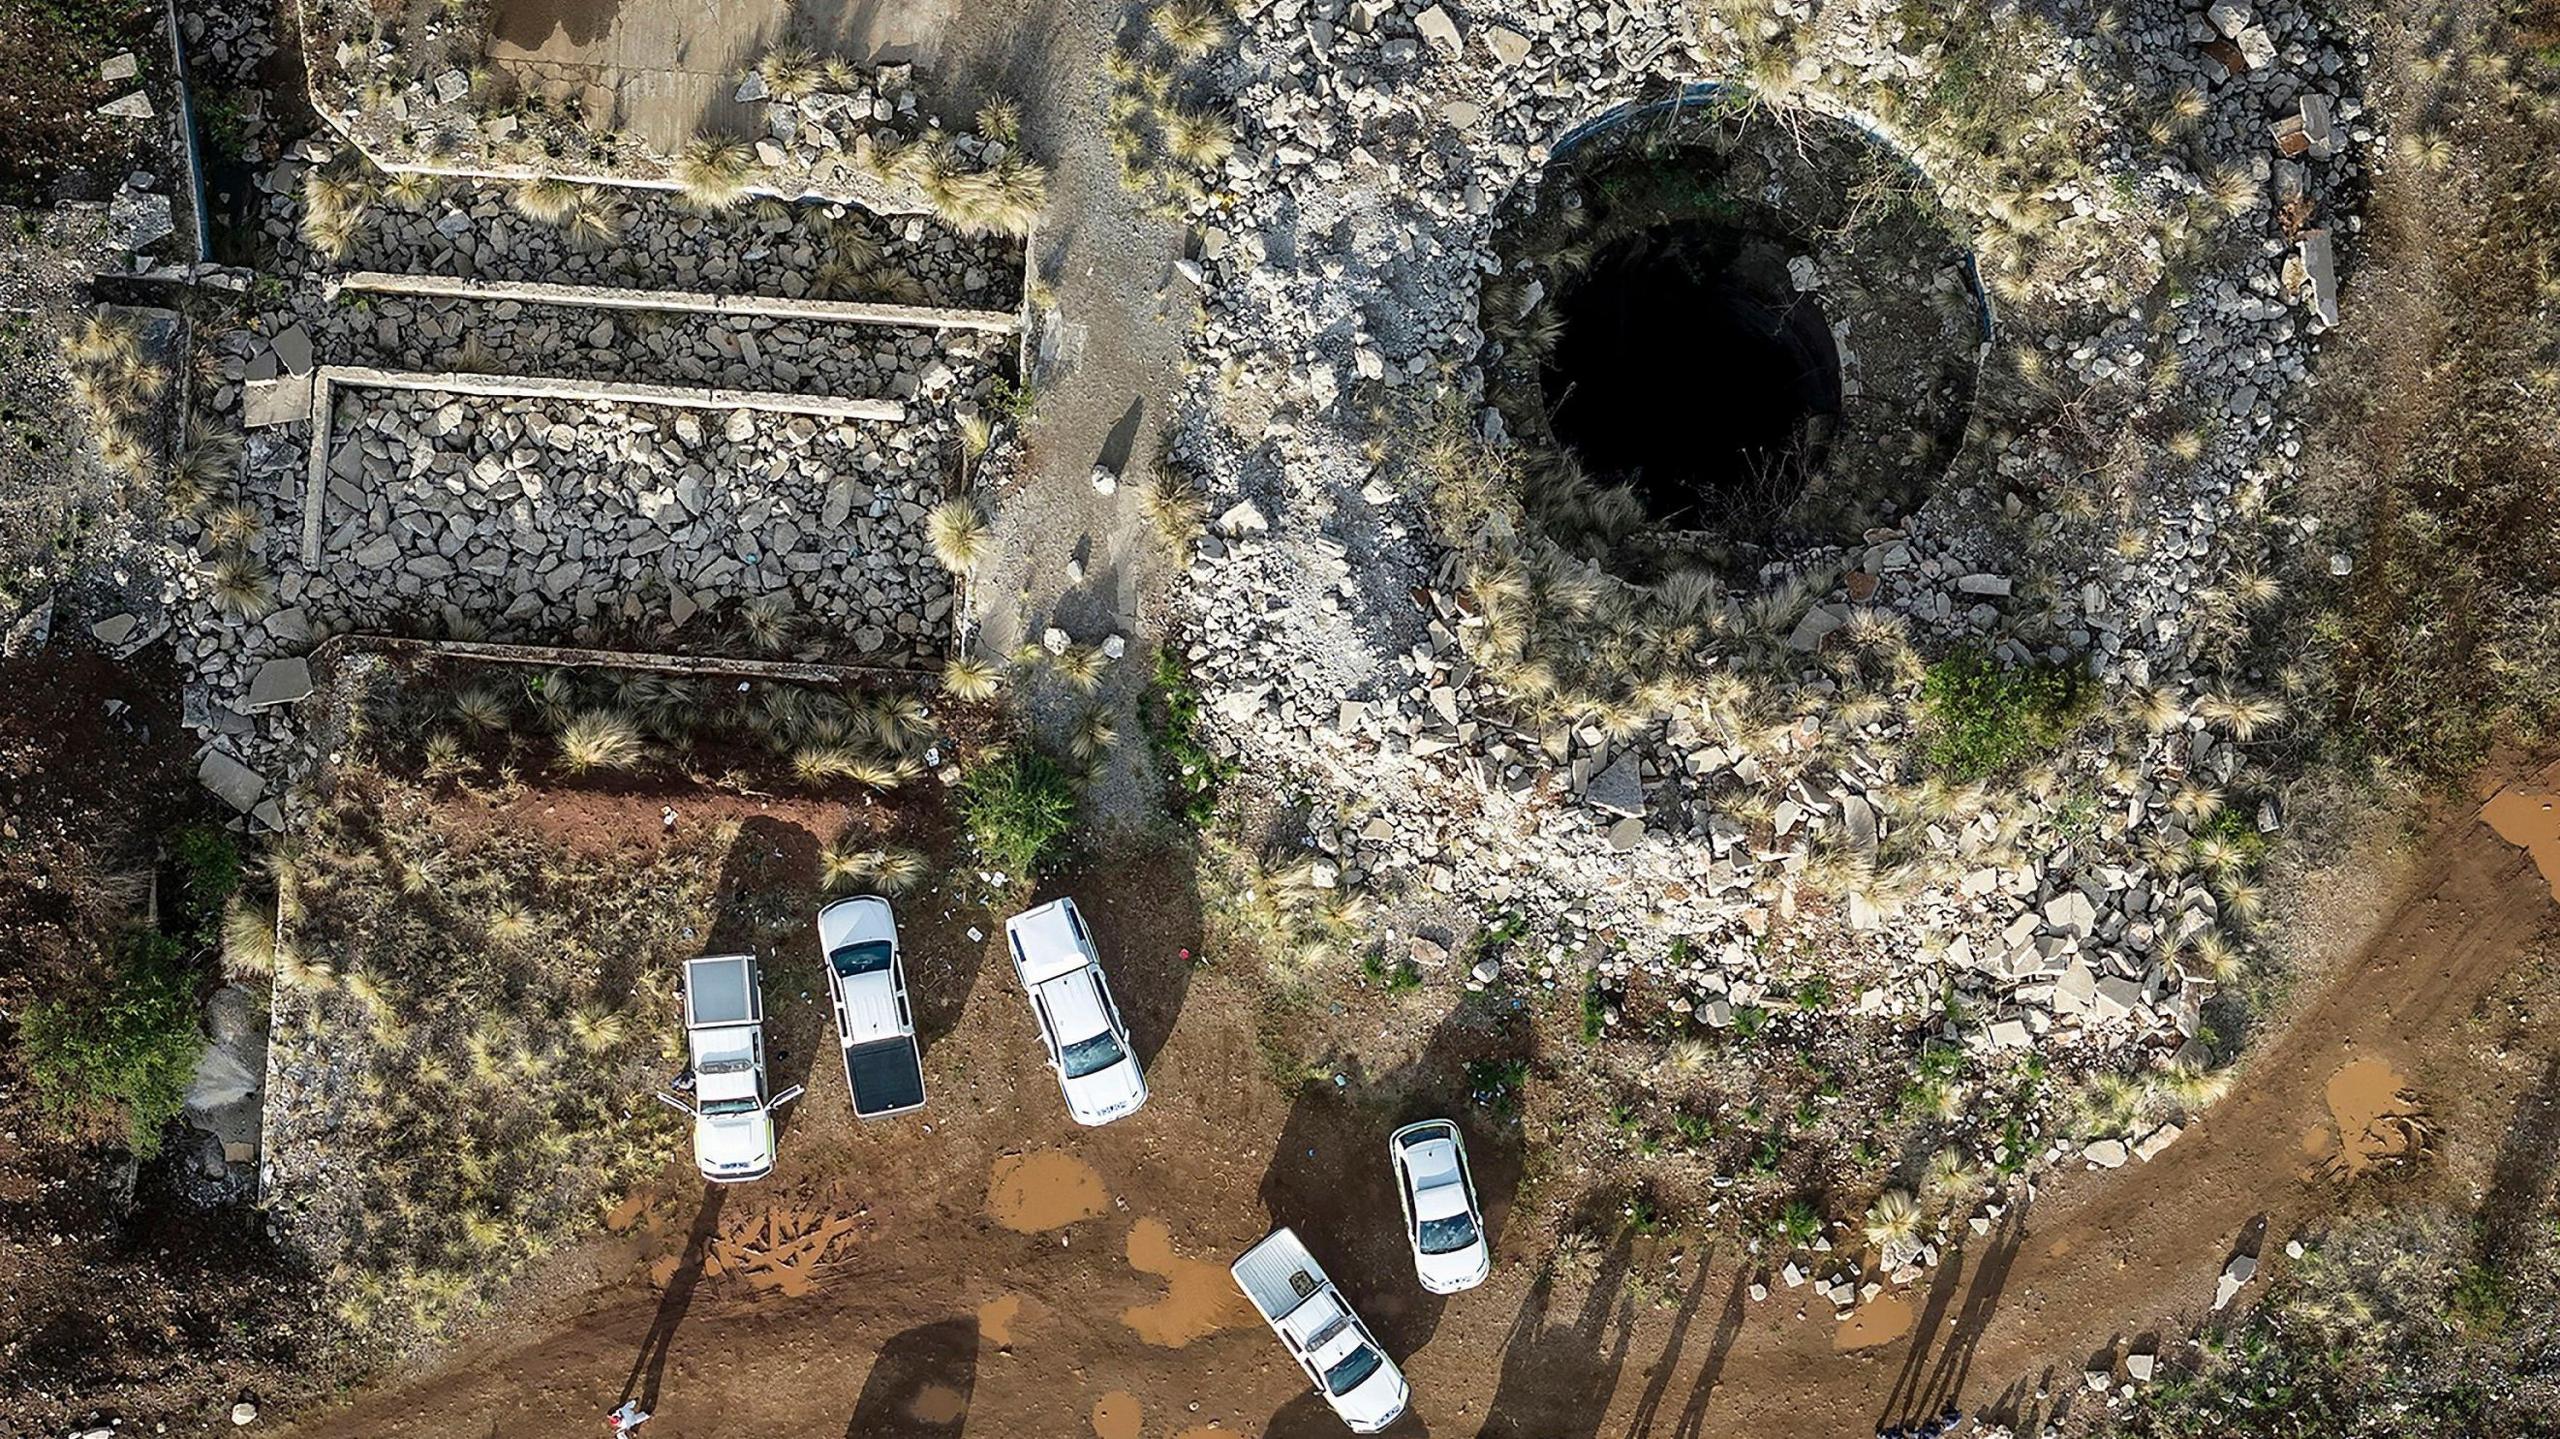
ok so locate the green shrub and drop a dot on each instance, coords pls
(117, 1060)
(1495, 1084)
(1172, 710)
(1798, 1224)
(209, 869)
(1020, 806)
(1595, 1010)
(1984, 720)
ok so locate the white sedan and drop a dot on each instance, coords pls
(1442, 1220)
(1087, 1043)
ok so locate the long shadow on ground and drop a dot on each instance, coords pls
(1331, 1181)
(1929, 1384)
(919, 1387)
(1145, 922)
(649, 1369)
(1558, 1373)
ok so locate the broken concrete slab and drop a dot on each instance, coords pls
(234, 783)
(2320, 274)
(140, 219)
(1508, 45)
(279, 682)
(1439, 29)
(275, 402)
(293, 350)
(136, 106)
(1244, 517)
(1619, 789)
(120, 68)
(1817, 623)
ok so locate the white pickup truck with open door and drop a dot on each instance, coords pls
(733, 1130)
(1340, 1356)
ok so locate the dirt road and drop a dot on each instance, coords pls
(991, 1269)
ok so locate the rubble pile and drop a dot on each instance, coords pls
(1337, 641)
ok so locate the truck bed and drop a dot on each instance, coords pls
(1278, 1275)
(884, 1077)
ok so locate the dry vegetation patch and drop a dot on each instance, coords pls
(470, 1019)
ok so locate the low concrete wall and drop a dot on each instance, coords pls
(602, 297)
(571, 657)
(327, 379)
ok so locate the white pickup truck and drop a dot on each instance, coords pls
(1341, 1357)
(875, 1026)
(1080, 1027)
(733, 1133)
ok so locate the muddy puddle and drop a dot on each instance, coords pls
(995, 1319)
(937, 1404)
(1044, 1190)
(2531, 822)
(1116, 1415)
(1880, 1320)
(1200, 1297)
(2375, 1122)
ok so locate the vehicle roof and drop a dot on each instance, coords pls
(1074, 1002)
(1047, 941)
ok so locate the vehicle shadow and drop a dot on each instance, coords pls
(764, 900)
(1145, 922)
(943, 962)
(1309, 1417)
(919, 1387)
(649, 1369)
(1556, 1377)
(1331, 1181)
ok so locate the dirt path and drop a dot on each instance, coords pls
(994, 1270)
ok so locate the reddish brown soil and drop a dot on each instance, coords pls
(143, 1309)
(928, 1314)
(49, 87)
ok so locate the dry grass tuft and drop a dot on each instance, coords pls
(959, 534)
(600, 739)
(713, 173)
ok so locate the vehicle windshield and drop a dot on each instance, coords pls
(732, 1106)
(1447, 1236)
(1091, 1056)
(869, 956)
(1355, 1367)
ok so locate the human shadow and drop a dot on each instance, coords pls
(2520, 1181)
(1928, 1385)
(649, 1368)
(1331, 1180)
(1556, 1377)
(1144, 917)
(1702, 1390)
(1657, 1382)
(1122, 439)
(919, 1387)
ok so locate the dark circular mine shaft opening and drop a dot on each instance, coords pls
(1690, 369)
